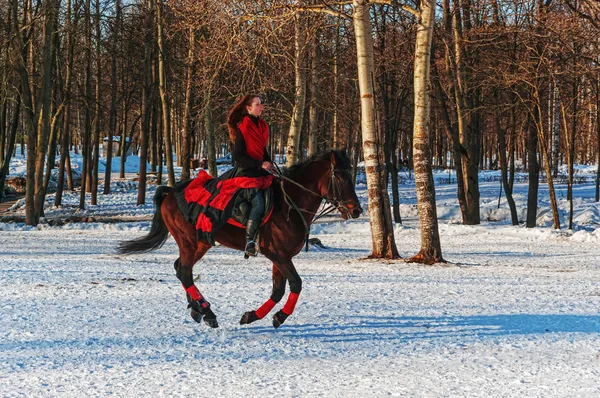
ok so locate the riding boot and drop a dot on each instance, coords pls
(254, 219)
(251, 231)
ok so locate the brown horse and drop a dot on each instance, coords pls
(326, 176)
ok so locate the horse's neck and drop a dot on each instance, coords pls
(309, 178)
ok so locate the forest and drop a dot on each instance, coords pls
(469, 85)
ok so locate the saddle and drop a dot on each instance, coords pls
(209, 203)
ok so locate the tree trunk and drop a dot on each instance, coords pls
(555, 128)
(85, 180)
(467, 121)
(3, 111)
(504, 166)
(98, 111)
(51, 158)
(22, 52)
(50, 11)
(384, 245)
(123, 142)
(187, 115)
(547, 165)
(112, 119)
(4, 104)
(534, 174)
(155, 140)
(210, 140)
(551, 192)
(598, 138)
(335, 121)
(293, 143)
(431, 250)
(65, 134)
(146, 101)
(571, 148)
(451, 121)
(162, 84)
(313, 134)
(452, 133)
(12, 136)
(159, 144)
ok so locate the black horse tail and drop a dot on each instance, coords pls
(158, 232)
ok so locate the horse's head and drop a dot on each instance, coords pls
(339, 189)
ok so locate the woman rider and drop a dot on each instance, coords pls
(250, 135)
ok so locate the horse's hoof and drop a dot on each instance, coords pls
(196, 315)
(200, 311)
(212, 322)
(210, 318)
(249, 317)
(279, 318)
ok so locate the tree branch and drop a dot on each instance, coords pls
(591, 18)
(404, 7)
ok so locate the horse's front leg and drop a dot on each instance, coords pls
(284, 267)
(276, 295)
(289, 271)
(200, 308)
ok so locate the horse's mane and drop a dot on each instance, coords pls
(341, 158)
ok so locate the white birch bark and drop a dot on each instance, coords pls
(431, 251)
(380, 216)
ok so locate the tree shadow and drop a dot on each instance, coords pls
(405, 329)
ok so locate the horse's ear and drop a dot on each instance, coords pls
(332, 157)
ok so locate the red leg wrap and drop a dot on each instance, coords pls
(265, 309)
(290, 304)
(193, 292)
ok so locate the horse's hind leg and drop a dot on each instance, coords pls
(190, 251)
(200, 308)
(276, 295)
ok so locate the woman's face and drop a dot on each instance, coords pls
(256, 107)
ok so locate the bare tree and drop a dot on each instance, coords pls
(146, 99)
(112, 118)
(162, 83)
(98, 109)
(293, 143)
(187, 115)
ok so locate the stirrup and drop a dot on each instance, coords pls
(250, 250)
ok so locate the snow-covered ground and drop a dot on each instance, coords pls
(514, 313)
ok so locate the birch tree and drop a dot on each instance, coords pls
(431, 250)
(384, 245)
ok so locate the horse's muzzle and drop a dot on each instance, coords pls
(356, 212)
(351, 212)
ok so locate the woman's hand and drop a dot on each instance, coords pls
(268, 167)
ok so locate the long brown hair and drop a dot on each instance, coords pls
(237, 113)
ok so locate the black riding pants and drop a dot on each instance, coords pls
(256, 198)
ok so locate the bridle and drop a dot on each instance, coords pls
(334, 201)
(336, 186)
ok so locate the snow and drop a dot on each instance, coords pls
(514, 313)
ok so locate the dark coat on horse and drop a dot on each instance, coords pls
(326, 176)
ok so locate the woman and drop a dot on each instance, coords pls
(250, 135)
